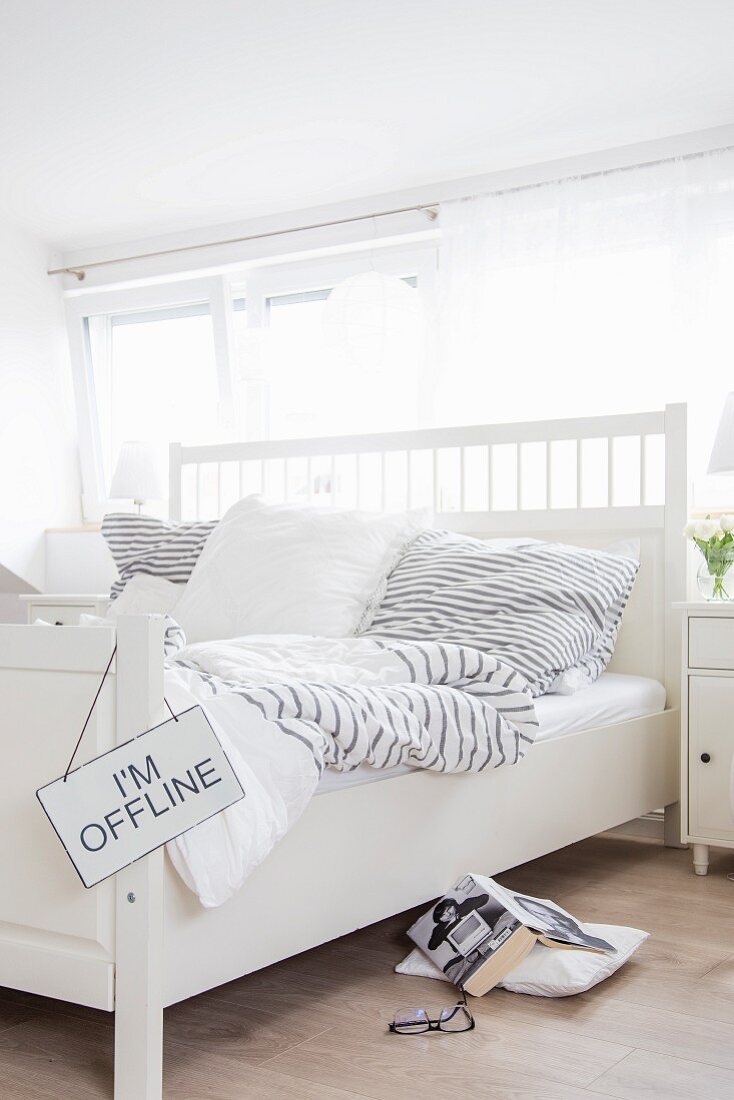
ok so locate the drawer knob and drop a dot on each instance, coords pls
(705, 757)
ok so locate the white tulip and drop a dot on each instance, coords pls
(706, 529)
(727, 523)
(690, 529)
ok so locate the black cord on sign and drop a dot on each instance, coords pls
(86, 720)
(89, 715)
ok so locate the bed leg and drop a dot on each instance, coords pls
(139, 887)
(672, 832)
(139, 981)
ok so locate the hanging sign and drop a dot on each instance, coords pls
(124, 804)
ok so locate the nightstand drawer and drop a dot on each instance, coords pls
(59, 615)
(63, 609)
(711, 642)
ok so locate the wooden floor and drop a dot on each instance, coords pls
(314, 1027)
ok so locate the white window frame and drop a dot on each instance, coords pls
(214, 291)
(256, 284)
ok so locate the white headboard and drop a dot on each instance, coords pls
(590, 481)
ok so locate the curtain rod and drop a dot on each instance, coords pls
(430, 209)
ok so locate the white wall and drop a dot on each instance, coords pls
(39, 469)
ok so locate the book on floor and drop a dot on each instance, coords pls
(480, 931)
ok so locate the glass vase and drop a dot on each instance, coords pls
(714, 582)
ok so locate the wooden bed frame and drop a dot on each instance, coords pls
(141, 941)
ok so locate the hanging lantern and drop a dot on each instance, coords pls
(371, 319)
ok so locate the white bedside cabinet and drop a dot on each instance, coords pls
(707, 735)
(63, 610)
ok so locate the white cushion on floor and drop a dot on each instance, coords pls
(552, 972)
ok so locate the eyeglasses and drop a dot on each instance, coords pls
(416, 1021)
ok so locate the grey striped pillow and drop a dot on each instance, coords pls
(544, 608)
(144, 544)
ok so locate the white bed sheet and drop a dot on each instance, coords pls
(613, 698)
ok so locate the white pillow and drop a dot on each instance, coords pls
(146, 595)
(550, 971)
(288, 569)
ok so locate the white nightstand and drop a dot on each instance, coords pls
(63, 610)
(707, 734)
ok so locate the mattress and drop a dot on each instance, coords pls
(610, 699)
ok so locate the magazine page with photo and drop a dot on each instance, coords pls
(480, 931)
(546, 917)
(467, 928)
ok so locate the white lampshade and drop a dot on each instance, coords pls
(139, 474)
(722, 452)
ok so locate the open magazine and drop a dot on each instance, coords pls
(480, 931)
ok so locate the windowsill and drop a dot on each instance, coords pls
(81, 529)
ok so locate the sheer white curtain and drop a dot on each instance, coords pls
(606, 293)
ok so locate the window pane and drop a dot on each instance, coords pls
(155, 377)
(300, 369)
(311, 373)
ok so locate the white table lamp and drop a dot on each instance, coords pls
(722, 452)
(139, 474)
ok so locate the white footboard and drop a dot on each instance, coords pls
(101, 947)
(56, 938)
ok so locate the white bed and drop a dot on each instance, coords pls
(98, 948)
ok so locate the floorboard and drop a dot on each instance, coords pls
(314, 1027)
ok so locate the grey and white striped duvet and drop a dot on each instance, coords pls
(544, 608)
(144, 544)
(287, 707)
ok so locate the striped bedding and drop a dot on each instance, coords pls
(467, 633)
(144, 544)
(550, 611)
(287, 707)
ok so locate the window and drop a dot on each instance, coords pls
(315, 368)
(155, 376)
(331, 347)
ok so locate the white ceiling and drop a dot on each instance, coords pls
(126, 118)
